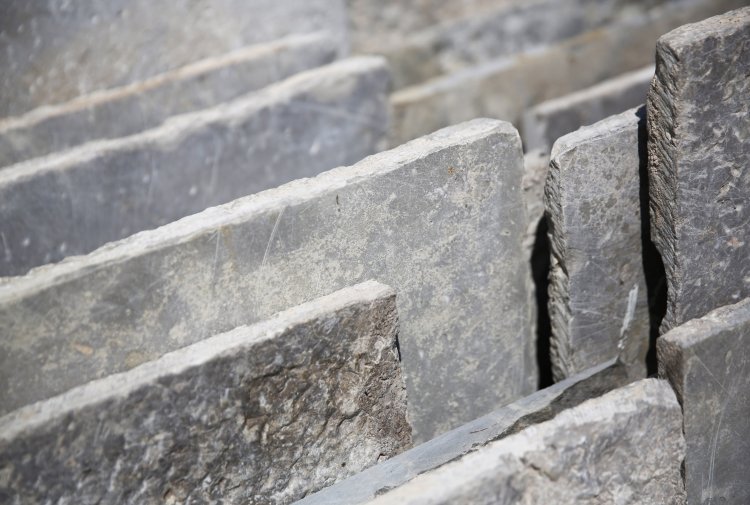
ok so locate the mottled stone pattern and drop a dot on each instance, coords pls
(262, 415)
(598, 302)
(707, 360)
(440, 219)
(73, 202)
(625, 447)
(699, 129)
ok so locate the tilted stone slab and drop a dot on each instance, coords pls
(440, 219)
(136, 107)
(625, 447)
(73, 202)
(699, 119)
(261, 414)
(598, 302)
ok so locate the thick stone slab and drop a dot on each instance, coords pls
(707, 360)
(598, 301)
(73, 202)
(440, 219)
(261, 414)
(699, 118)
(136, 107)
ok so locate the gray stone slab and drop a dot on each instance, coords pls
(625, 447)
(130, 109)
(440, 219)
(598, 301)
(699, 123)
(535, 408)
(75, 201)
(261, 414)
(707, 360)
(55, 50)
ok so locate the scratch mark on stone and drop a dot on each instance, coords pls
(8, 254)
(629, 313)
(273, 235)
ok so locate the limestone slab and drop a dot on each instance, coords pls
(699, 129)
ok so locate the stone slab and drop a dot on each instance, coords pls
(130, 109)
(440, 219)
(261, 414)
(75, 201)
(699, 129)
(598, 301)
(625, 447)
(707, 360)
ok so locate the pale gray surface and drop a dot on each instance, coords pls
(625, 447)
(598, 301)
(136, 107)
(535, 408)
(261, 414)
(73, 202)
(699, 130)
(440, 219)
(707, 360)
(54, 50)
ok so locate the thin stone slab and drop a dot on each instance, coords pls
(699, 129)
(707, 360)
(440, 219)
(261, 414)
(598, 301)
(136, 107)
(625, 447)
(73, 202)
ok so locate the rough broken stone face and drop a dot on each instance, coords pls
(440, 219)
(707, 360)
(699, 130)
(598, 301)
(73, 202)
(262, 414)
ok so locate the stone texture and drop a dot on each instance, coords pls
(535, 408)
(261, 414)
(440, 219)
(73, 202)
(699, 129)
(598, 301)
(707, 360)
(136, 107)
(55, 50)
(625, 447)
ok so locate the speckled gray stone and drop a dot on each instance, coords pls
(598, 302)
(699, 132)
(440, 219)
(136, 107)
(625, 447)
(73, 202)
(707, 360)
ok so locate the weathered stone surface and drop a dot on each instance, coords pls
(548, 121)
(707, 360)
(535, 165)
(440, 219)
(73, 202)
(261, 414)
(625, 447)
(136, 107)
(598, 301)
(535, 408)
(55, 50)
(699, 129)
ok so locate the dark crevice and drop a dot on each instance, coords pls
(540, 266)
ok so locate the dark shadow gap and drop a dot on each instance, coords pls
(540, 266)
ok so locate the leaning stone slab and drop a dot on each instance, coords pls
(625, 447)
(261, 414)
(598, 302)
(440, 219)
(136, 107)
(699, 117)
(73, 202)
(707, 360)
